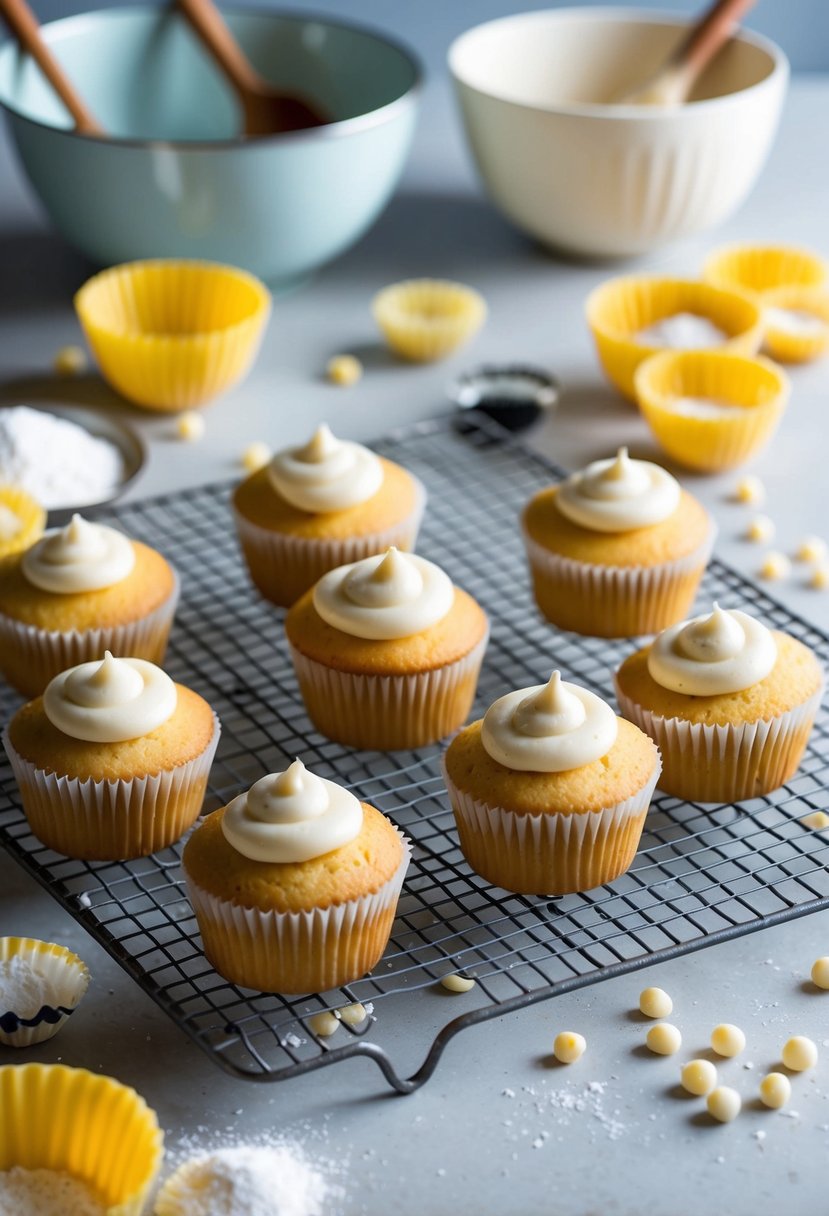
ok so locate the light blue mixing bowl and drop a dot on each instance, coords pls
(174, 179)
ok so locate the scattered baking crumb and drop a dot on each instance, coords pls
(352, 1015)
(775, 1090)
(799, 1053)
(655, 1003)
(323, 1024)
(750, 489)
(256, 455)
(761, 529)
(663, 1039)
(812, 549)
(457, 983)
(699, 1077)
(727, 1040)
(817, 821)
(190, 426)
(344, 370)
(775, 566)
(819, 578)
(759, 1135)
(70, 361)
(820, 972)
(569, 1046)
(724, 1104)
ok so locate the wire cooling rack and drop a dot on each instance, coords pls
(702, 874)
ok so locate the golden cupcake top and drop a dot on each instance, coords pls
(619, 494)
(392, 595)
(723, 651)
(80, 557)
(110, 700)
(326, 473)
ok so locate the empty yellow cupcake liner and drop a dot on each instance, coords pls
(784, 344)
(426, 319)
(30, 515)
(170, 335)
(762, 268)
(67, 980)
(620, 308)
(755, 387)
(92, 1127)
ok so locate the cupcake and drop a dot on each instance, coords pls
(112, 761)
(387, 652)
(22, 520)
(617, 549)
(295, 884)
(315, 507)
(729, 703)
(79, 591)
(550, 790)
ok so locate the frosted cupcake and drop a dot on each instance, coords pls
(78, 592)
(318, 506)
(387, 652)
(112, 761)
(295, 884)
(617, 549)
(729, 702)
(550, 790)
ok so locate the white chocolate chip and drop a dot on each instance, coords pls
(256, 455)
(724, 1104)
(819, 578)
(663, 1039)
(799, 1053)
(776, 566)
(569, 1047)
(820, 972)
(344, 370)
(70, 361)
(699, 1077)
(727, 1040)
(818, 821)
(190, 426)
(812, 549)
(456, 983)
(750, 489)
(352, 1015)
(323, 1024)
(775, 1090)
(655, 1003)
(761, 529)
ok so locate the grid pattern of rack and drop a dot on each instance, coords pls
(701, 875)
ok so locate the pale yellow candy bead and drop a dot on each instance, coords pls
(190, 426)
(655, 1003)
(663, 1039)
(256, 455)
(569, 1047)
(818, 821)
(775, 1090)
(352, 1015)
(727, 1040)
(699, 1077)
(819, 578)
(812, 549)
(456, 983)
(761, 529)
(820, 972)
(775, 566)
(799, 1053)
(750, 489)
(324, 1024)
(70, 361)
(724, 1104)
(344, 370)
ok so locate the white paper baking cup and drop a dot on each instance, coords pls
(619, 601)
(41, 654)
(284, 567)
(112, 820)
(389, 713)
(554, 854)
(264, 950)
(66, 980)
(709, 763)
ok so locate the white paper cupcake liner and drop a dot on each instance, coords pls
(389, 713)
(552, 854)
(112, 820)
(710, 763)
(41, 654)
(619, 601)
(284, 567)
(66, 980)
(267, 950)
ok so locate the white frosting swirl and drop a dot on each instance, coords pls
(327, 474)
(619, 494)
(80, 557)
(722, 652)
(392, 595)
(110, 700)
(550, 728)
(292, 816)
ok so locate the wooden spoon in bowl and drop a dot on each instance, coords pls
(266, 110)
(23, 24)
(671, 85)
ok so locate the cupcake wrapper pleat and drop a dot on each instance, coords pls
(112, 820)
(66, 979)
(551, 854)
(708, 763)
(31, 657)
(615, 601)
(389, 713)
(284, 567)
(297, 952)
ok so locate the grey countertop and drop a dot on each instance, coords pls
(498, 1129)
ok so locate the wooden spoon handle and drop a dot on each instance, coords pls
(210, 26)
(706, 37)
(23, 24)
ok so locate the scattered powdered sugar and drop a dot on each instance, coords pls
(46, 1193)
(56, 461)
(23, 989)
(702, 407)
(682, 331)
(795, 321)
(252, 1181)
(561, 1105)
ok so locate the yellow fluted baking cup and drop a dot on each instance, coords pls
(66, 979)
(753, 392)
(92, 1127)
(762, 268)
(621, 308)
(426, 319)
(169, 335)
(784, 311)
(16, 504)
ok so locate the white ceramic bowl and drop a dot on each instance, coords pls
(602, 179)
